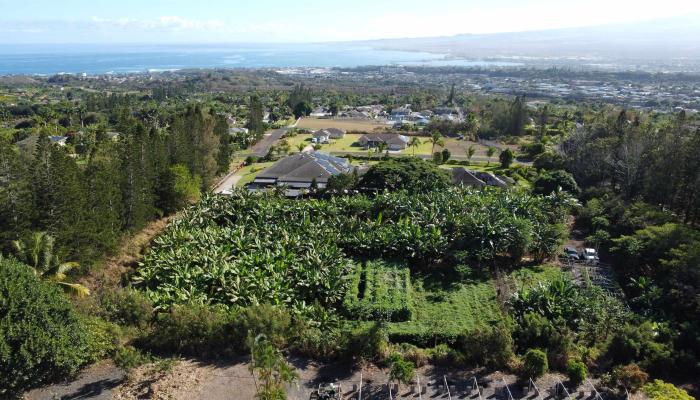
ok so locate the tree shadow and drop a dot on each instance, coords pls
(93, 389)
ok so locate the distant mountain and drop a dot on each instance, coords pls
(658, 40)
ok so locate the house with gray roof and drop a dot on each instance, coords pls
(477, 179)
(393, 141)
(298, 172)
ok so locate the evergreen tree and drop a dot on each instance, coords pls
(518, 115)
(255, 117)
(15, 195)
(137, 183)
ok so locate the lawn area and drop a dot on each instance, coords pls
(249, 172)
(349, 125)
(458, 149)
(336, 145)
(442, 313)
(528, 277)
(347, 145)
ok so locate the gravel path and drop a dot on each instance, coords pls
(96, 382)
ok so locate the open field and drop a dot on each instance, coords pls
(349, 125)
(528, 277)
(348, 144)
(445, 310)
(249, 172)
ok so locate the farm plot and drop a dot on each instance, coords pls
(379, 290)
(443, 314)
(529, 277)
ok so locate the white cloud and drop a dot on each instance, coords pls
(163, 23)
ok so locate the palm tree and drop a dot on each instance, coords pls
(301, 147)
(470, 153)
(381, 146)
(436, 140)
(38, 253)
(490, 153)
(414, 142)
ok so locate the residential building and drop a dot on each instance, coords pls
(298, 173)
(333, 133)
(477, 179)
(393, 141)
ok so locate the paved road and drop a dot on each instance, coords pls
(228, 183)
(261, 148)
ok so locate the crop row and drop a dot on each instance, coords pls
(379, 291)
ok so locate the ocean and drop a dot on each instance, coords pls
(34, 59)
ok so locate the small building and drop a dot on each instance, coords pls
(393, 141)
(333, 133)
(321, 136)
(464, 177)
(299, 172)
(319, 112)
(29, 143)
(59, 140)
(236, 131)
(399, 114)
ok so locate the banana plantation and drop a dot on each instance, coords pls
(248, 249)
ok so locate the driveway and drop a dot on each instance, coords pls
(261, 148)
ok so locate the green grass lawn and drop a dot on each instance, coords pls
(528, 277)
(442, 313)
(249, 172)
(348, 145)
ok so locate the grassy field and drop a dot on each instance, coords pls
(526, 278)
(345, 124)
(442, 313)
(249, 172)
(348, 144)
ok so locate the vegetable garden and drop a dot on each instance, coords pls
(379, 291)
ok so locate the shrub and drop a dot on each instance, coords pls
(272, 321)
(535, 364)
(41, 337)
(194, 330)
(548, 161)
(576, 372)
(410, 173)
(641, 344)
(401, 370)
(489, 346)
(506, 158)
(551, 181)
(127, 307)
(367, 342)
(660, 390)
(103, 337)
(128, 358)
(630, 377)
(419, 357)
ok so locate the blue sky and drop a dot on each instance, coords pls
(216, 21)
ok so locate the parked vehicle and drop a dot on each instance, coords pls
(327, 392)
(590, 255)
(571, 253)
